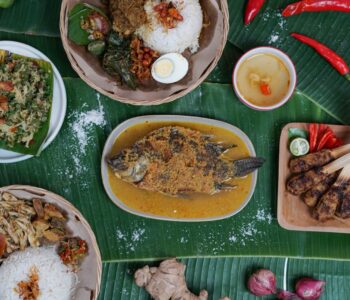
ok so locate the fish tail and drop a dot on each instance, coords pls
(243, 167)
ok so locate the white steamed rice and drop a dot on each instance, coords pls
(184, 35)
(56, 281)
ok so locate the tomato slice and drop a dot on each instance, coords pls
(265, 89)
(6, 86)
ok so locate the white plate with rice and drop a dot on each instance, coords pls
(56, 280)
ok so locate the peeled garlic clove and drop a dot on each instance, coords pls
(286, 295)
(309, 288)
(262, 282)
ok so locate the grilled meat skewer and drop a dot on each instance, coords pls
(339, 191)
(317, 159)
(314, 194)
(301, 183)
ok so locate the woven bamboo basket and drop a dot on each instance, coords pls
(89, 69)
(90, 271)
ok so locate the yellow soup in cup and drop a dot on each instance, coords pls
(264, 78)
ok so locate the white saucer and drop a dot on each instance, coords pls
(59, 100)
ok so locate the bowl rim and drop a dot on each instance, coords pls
(223, 6)
(289, 65)
(164, 118)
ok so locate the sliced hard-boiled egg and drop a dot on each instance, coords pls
(170, 68)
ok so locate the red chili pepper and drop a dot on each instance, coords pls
(313, 129)
(333, 58)
(331, 142)
(324, 139)
(315, 6)
(252, 9)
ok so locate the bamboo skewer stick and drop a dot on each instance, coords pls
(337, 165)
(340, 151)
(302, 182)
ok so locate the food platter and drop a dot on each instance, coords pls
(166, 119)
(90, 270)
(292, 213)
(59, 100)
(212, 42)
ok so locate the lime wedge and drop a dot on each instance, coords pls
(299, 146)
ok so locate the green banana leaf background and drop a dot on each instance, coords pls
(223, 252)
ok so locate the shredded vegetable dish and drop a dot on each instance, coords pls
(24, 99)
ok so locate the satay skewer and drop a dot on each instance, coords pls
(333, 198)
(317, 159)
(301, 183)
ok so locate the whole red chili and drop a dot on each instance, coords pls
(324, 139)
(333, 58)
(316, 5)
(313, 129)
(252, 9)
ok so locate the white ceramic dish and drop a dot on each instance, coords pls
(59, 100)
(287, 62)
(90, 271)
(171, 118)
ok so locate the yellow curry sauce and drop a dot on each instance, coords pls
(193, 206)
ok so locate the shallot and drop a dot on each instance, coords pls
(262, 282)
(309, 288)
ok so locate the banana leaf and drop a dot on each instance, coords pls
(35, 17)
(39, 137)
(316, 78)
(78, 13)
(228, 277)
(50, 46)
(254, 231)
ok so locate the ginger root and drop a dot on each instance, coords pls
(167, 282)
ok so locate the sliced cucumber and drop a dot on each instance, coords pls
(299, 147)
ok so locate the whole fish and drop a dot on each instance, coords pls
(176, 161)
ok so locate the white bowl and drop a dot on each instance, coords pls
(171, 118)
(287, 62)
(59, 99)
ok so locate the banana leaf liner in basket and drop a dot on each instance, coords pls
(211, 44)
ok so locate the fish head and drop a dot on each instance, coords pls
(129, 165)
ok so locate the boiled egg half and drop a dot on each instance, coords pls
(169, 68)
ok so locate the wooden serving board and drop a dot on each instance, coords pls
(292, 212)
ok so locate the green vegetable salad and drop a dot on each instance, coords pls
(25, 102)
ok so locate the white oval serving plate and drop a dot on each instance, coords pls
(90, 271)
(171, 118)
(59, 100)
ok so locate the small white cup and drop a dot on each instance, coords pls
(287, 62)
